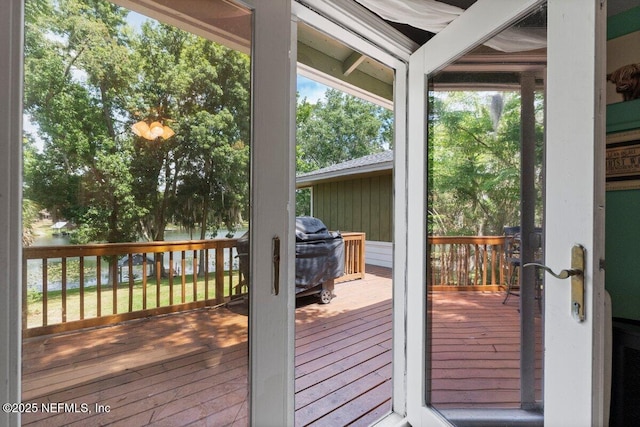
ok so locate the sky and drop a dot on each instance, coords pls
(310, 89)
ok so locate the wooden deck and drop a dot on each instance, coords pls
(191, 368)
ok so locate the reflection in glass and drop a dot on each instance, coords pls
(136, 189)
(485, 180)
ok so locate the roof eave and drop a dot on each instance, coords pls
(308, 181)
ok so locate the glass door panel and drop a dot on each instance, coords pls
(343, 316)
(137, 179)
(485, 220)
(572, 344)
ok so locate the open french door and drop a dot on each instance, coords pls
(571, 391)
(272, 204)
(272, 303)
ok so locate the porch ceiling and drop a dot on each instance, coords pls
(322, 58)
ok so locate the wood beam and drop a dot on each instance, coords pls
(332, 68)
(351, 63)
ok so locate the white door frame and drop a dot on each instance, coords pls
(574, 375)
(11, 51)
(476, 24)
(575, 112)
(273, 209)
(272, 312)
(579, 117)
(334, 16)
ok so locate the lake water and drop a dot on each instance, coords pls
(34, 267)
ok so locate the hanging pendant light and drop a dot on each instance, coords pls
(153, 131)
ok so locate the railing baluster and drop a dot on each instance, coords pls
(64, 289)
(45, 291)
(183, 277)
(99, 285)
(144, 280)
(171, 274)
(352, 257)
(206, 274)
(158, 259)
(113, 273)
(493, 266)
(230, 271)
(355, 257)
(478, 265)
(195, 275)
(130, 267)
(81, 275)
(219, 274)
(484, 269)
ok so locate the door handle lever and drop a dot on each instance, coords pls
(564, 274)
(576, 272)
(276, 265)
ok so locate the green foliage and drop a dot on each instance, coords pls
(338, 128)
(303, 202)
(29, 217)
(88, 77)
(474, 162)
(76, 72)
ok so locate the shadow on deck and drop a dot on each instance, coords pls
(191, 368)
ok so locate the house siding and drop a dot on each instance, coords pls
(361, 204)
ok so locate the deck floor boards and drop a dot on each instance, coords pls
(191, 368)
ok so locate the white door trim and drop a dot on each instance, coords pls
(575, 134)
(11, 64)
(271, 323)
(476, 25)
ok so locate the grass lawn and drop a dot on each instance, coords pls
(54, 298)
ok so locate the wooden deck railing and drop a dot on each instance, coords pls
(466, 261)
(91, 285)
(354, 259)
(78, 286)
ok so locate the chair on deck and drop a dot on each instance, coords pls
(512, 251)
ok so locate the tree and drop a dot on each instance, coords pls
(303, 196)
(338, 128)
(474, 162)
(216, 129)
(341, 127)
(202, 90)
(88, 78)
(76, 72)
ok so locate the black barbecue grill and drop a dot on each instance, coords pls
(319, 258)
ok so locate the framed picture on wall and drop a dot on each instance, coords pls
(623, 68)
(623, 160)
(623, 71)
